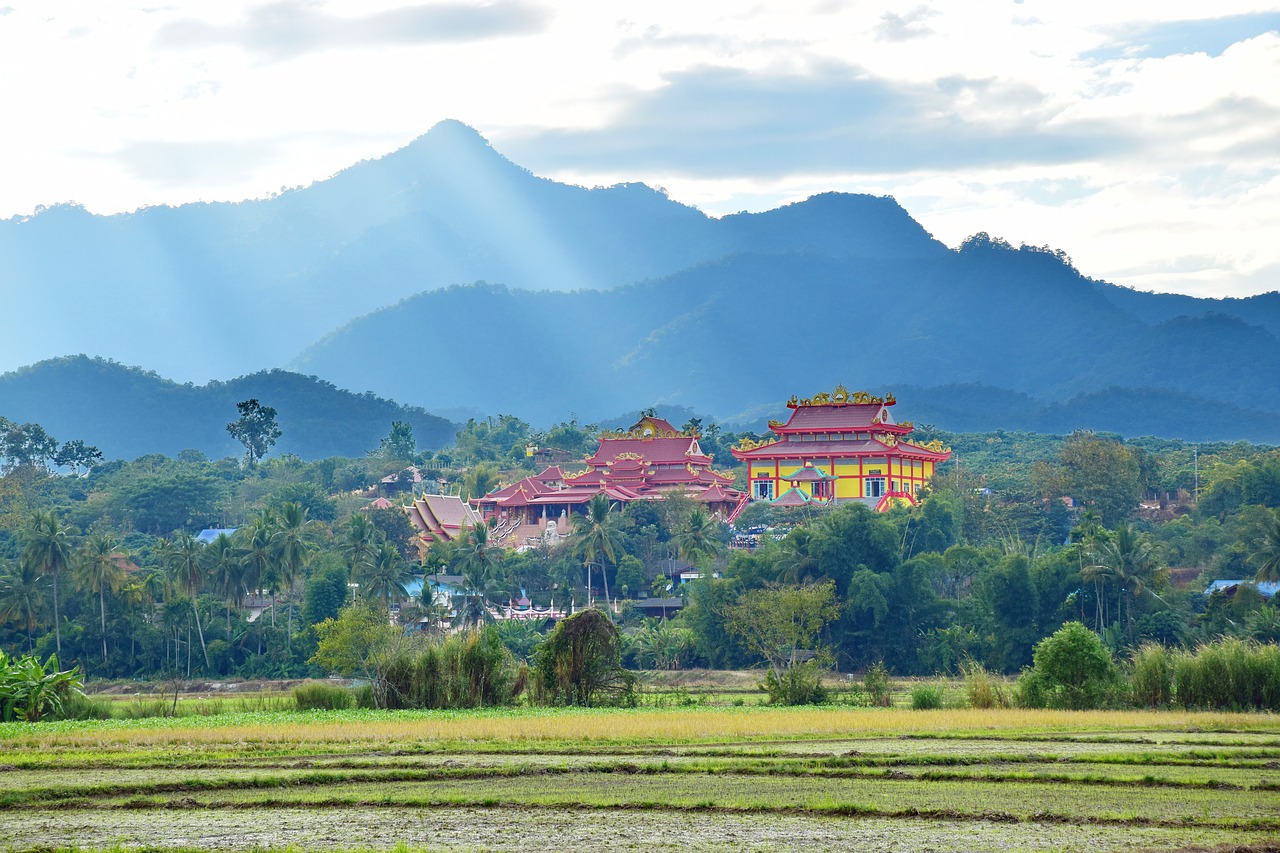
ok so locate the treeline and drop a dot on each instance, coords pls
(1019, 535)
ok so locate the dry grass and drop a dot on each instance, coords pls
(685, 725)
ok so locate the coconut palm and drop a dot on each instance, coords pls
(259, 548)
(293, 541)
(697, 537)
(100, 573)
(383, 576)
(1127, 560)
(478, 561)
(182, 560)
(22, 596)
(225, 566)
(1266, 554)
(359, 541)
(601, 537)
(46, 547)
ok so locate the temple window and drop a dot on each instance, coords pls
(875, 487)
(764, 489)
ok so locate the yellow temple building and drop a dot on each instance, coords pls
(840, 447)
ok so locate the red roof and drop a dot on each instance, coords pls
(651, 449)
(866, 447)
(794, 497)
(833, 416)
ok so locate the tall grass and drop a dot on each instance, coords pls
(1152, 676)
(981, 688)
(470, 670)
(1228, 674)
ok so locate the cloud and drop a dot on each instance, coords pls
(205, 163)
(1173, 38)
(835, 118)
(292, 28)
(895, 27)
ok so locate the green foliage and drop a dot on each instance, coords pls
(927, 697)
(1228, 674)
(31, 691)
(1072, 669)
(256, 429)
(782, 626)
(323, 697)
(581, 663)
(324, 593)
(876, 686)
(1151, 679)
(797, 685)
(1100, 472)
(353, 643)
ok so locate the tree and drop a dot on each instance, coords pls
(581, 663)
(100, 574)
(399, 445)
(1266, 553)
(293, 541)
(46, 547)
(697, 537)
(383, 577)
(478, 561)
(256, 429)
(1126, 559)
(600, 539)
(182, 559)
(782, 625)
(224, 562)
(77, 455)
(22, 589)
(350, 644)
(1101, 472)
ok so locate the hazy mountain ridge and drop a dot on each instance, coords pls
(128, 412)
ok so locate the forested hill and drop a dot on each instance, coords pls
(205, 288)
(734, 337)
(127, 412)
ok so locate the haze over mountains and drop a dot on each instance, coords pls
(612, 299)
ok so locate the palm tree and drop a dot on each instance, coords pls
(1266, 555)
(224, 562)
(698, 536)
(293, 540)
(601, 536)
(259, 547)
(359, 541)
(46, 547)
(479, 560)
(796, 565)
(1127, 560)
(384, 575)
(22, 596)
(182, 558)
(100, 573)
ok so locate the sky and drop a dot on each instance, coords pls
(1142, 138)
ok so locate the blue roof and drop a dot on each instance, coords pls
(1266, 588)
(206, 536)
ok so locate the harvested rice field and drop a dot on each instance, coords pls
(706, 778)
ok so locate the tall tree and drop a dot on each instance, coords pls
(47, 548)
(182, 558)
(384, 575)
(22, 591)
(478, 559)
(100, 573)
(1126, 559)
(697, 536)
(600, 539)
(256, 429)
(1266, 553)
(293, 539)
(225, 565)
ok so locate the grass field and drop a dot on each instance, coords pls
(735, 778)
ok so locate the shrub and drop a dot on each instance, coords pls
(981, 688)
(1152, 679)
(876, 685)
(1071, 669)
(581, 663)
(323, 697)
(32, 691)
(799, 685)
(926, 697)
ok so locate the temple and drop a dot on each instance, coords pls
(440, 517)
(646, 462)
(840, 447)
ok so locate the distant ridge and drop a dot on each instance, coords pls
(128, 412)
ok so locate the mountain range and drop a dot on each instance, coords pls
(448, 278)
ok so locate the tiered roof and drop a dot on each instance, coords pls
(441, 516)
(841, 424)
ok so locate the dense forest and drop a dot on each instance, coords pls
(1018, 534)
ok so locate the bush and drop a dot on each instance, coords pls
(323, 697)
(981, 688)
(1152, 679)
(926, 697)
(364, 696)
(32, 691)
(581, 663)
(799, 685)
(876, 685)
(1071, 669)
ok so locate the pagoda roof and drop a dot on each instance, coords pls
(652, 450)
(826, 417)
(807, 474)
(794, 497)
(550, 474)
(717, 493)
(863, 447)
